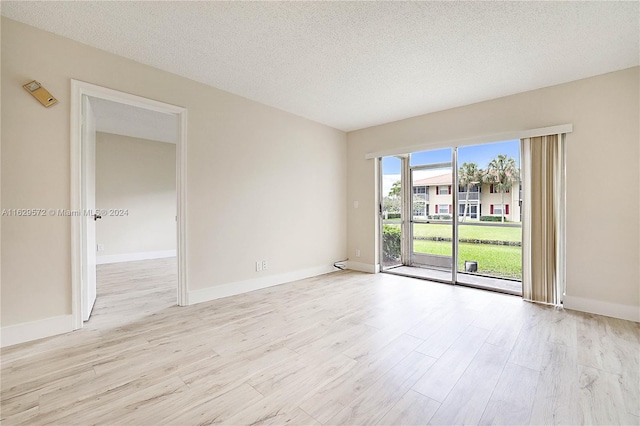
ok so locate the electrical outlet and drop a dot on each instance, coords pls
(100, 247)
(357, 252)
(265, 265)
(258, 266)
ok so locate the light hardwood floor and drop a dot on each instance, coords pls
(343, 348)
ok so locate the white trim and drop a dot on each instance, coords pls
(78, 90)
(531, 133)
(615, 310)
(28, 331)
(239, 287)
(363, 267)
(76, 203)
(181, 209)
(130, 257)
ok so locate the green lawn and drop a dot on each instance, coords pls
(473, 232)
(494, 260)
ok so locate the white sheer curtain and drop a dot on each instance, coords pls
(543, 259)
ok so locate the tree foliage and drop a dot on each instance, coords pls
(391, 204)
(502, 173)
(395, 190)
(391, 240)
(469, 175)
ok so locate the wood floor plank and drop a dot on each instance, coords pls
(84, 389)
(287, 396)
(29, 416)
(497, 312)
(445, 373)
(338, 339)
(467, 401)
(330, 399)
(217, 374)
(622, 329)
(373, 403)
(562, 327)
(341, 348)
(202, 408)
(630, 386)
(293, 374)
(112, 404)
(374, 342)
(438, 343)
(432, 322)
(601, 349)
(600, 397)
(38, 383)
(19, 404)
(530, 346)
(630, 419)
(412, 409)
(506, 332)
(295, 416)
(512, 398)
(555, 402)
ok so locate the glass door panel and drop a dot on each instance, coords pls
(391, 212)
(432, 212)
(489, 221)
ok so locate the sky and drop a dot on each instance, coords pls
(479, 154)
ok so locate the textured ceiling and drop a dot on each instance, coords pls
(356, 64)
(127, 120)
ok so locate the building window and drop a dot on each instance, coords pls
(421, 192)
(472, 211)
(420, 208)
(443, 190)
(474, 188)
(443, 209)
(497, 209)
(494, 189)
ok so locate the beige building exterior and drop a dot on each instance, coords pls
(434, 196)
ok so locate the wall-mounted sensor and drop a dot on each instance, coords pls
(40, 93)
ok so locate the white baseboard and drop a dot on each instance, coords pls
(363, 267)
(616, 310)
(130, 257)
(28, 331)
(239, 287)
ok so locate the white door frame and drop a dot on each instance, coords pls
(78, 90)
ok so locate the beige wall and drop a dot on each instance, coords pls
(262, 184)
(511, 198)
(139, 176)
(602, 251)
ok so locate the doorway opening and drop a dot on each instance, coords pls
(453, 215)
(128, 175)
(135, 193)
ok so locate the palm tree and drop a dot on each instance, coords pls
(395, 190)
(502, 173)
(469, 175)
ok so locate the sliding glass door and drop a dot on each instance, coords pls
(453, 215)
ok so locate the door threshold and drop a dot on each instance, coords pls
(432, 275)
